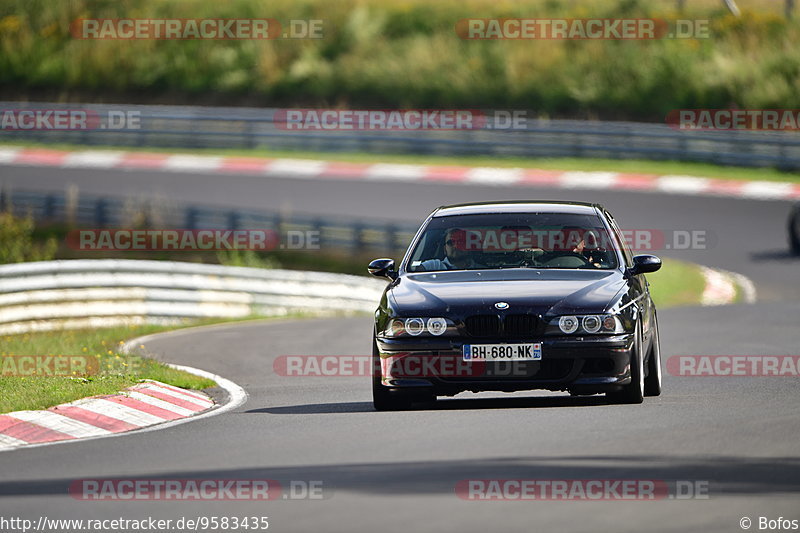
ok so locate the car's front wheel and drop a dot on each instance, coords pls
(652, 383)
(634, 392)
(794, 230)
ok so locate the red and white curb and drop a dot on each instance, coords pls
(301, 168)
(149, 406)
(721, 287)
(145, 404)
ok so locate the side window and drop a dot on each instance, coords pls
(626, 252)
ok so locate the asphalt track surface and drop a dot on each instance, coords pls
(398, 471)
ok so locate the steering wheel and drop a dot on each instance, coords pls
(549, 256)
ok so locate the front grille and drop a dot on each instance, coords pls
(512, 326)
(483, 325)
(519, 325)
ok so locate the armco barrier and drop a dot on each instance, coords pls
(96, 293)
(232, 127)
(80, 210)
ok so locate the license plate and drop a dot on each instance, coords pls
(531, 351)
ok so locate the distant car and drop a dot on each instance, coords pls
(794, 229)
(514, 296)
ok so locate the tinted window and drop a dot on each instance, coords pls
(514, 240)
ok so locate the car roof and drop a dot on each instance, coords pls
(518, 206)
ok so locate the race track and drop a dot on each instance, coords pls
(398, 471)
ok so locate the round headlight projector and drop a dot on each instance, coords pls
(414, 326)
(591, 323)
(568, 324)
(437, 326)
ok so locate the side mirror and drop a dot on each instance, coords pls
(642, 264)
(382, 268)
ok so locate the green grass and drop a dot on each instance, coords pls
(406, 54)
(677, 283)
(635, 166)
(113, 371)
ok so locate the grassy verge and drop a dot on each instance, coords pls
(377, 53)
(99, 350)
(677, 283)
(635, 166)
(107, 370)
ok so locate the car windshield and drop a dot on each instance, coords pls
(514, 240)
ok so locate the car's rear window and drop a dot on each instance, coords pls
(514, 240)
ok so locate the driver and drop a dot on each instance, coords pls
(457, 256)
(567, 245)
(594, 256)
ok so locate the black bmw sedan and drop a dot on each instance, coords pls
(511, 296)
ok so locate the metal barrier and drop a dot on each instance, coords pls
(90, 293)
(215, 127)
(334, 233)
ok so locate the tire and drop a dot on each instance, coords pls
(794, 231)
(382, 399)
(652, 383)
(634, 392)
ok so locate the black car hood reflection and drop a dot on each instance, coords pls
(542, 292)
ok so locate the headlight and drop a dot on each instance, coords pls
(568, 324)
(591, 323)
(437, 326)
(416, 326)
(584, 324)
(395, 328)
(610, 323)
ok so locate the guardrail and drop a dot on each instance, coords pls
(216, 127)
(90, 293)
(331, 233)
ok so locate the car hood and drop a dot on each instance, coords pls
(541, 292)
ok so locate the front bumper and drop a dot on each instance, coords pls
(579, 364)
